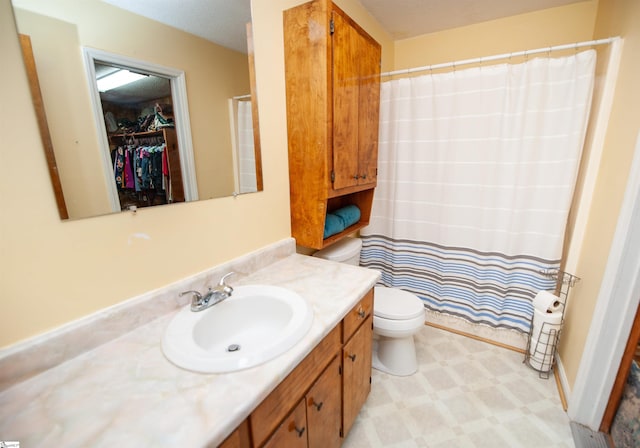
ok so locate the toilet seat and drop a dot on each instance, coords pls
(396, 304)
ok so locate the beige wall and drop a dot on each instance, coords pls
(213, 75)
(555, 26)
(53, 272)
(615, 18)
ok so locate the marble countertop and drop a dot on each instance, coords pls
(126, 393)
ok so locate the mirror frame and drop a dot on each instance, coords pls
(43, 125)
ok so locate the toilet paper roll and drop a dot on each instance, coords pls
(546, 301)
(546, 328)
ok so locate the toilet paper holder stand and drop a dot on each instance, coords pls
(540, 354)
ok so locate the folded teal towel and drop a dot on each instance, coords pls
(349, 214)
(333, 224)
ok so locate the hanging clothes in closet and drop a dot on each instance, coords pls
(141, 171)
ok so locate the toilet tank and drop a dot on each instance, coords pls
(347, 250)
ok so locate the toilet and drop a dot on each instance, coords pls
(397, 316)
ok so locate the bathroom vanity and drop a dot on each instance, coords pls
(120, 390)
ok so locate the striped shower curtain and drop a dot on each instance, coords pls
(476, 174)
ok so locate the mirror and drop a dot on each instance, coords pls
(218, 156)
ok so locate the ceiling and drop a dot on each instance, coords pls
(222, 21)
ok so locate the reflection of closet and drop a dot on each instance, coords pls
(333, 94)
(152, 187)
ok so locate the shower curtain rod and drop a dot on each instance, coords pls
(502, 56)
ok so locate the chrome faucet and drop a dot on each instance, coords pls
(212, 297)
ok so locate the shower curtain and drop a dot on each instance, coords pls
(476, 175)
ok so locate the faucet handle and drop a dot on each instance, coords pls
(196, 294)
(226, 288)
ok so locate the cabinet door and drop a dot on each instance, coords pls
(292, 432)
(345, 102)
(356, 380)
(368, 110)
(324, 408)
(356, 104)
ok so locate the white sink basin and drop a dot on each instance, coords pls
(256, 324)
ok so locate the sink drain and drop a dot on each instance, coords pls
(233, 348)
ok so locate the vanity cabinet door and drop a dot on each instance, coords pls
(292, 432)
(356, 381)
(323, 408)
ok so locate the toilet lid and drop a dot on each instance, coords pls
(396, 304)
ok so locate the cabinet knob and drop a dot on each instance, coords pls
(364, 176)
(294, 427)
(361, 313)
(356, 177)
(317, 405)
(353, 357)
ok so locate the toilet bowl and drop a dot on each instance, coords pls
(397, 316)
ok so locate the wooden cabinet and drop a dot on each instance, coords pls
(357, 336)
(332, 71)
(317, 403)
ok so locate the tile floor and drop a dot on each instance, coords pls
(466, 393)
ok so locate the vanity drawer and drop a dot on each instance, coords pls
(357, 315)
(268, 415)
